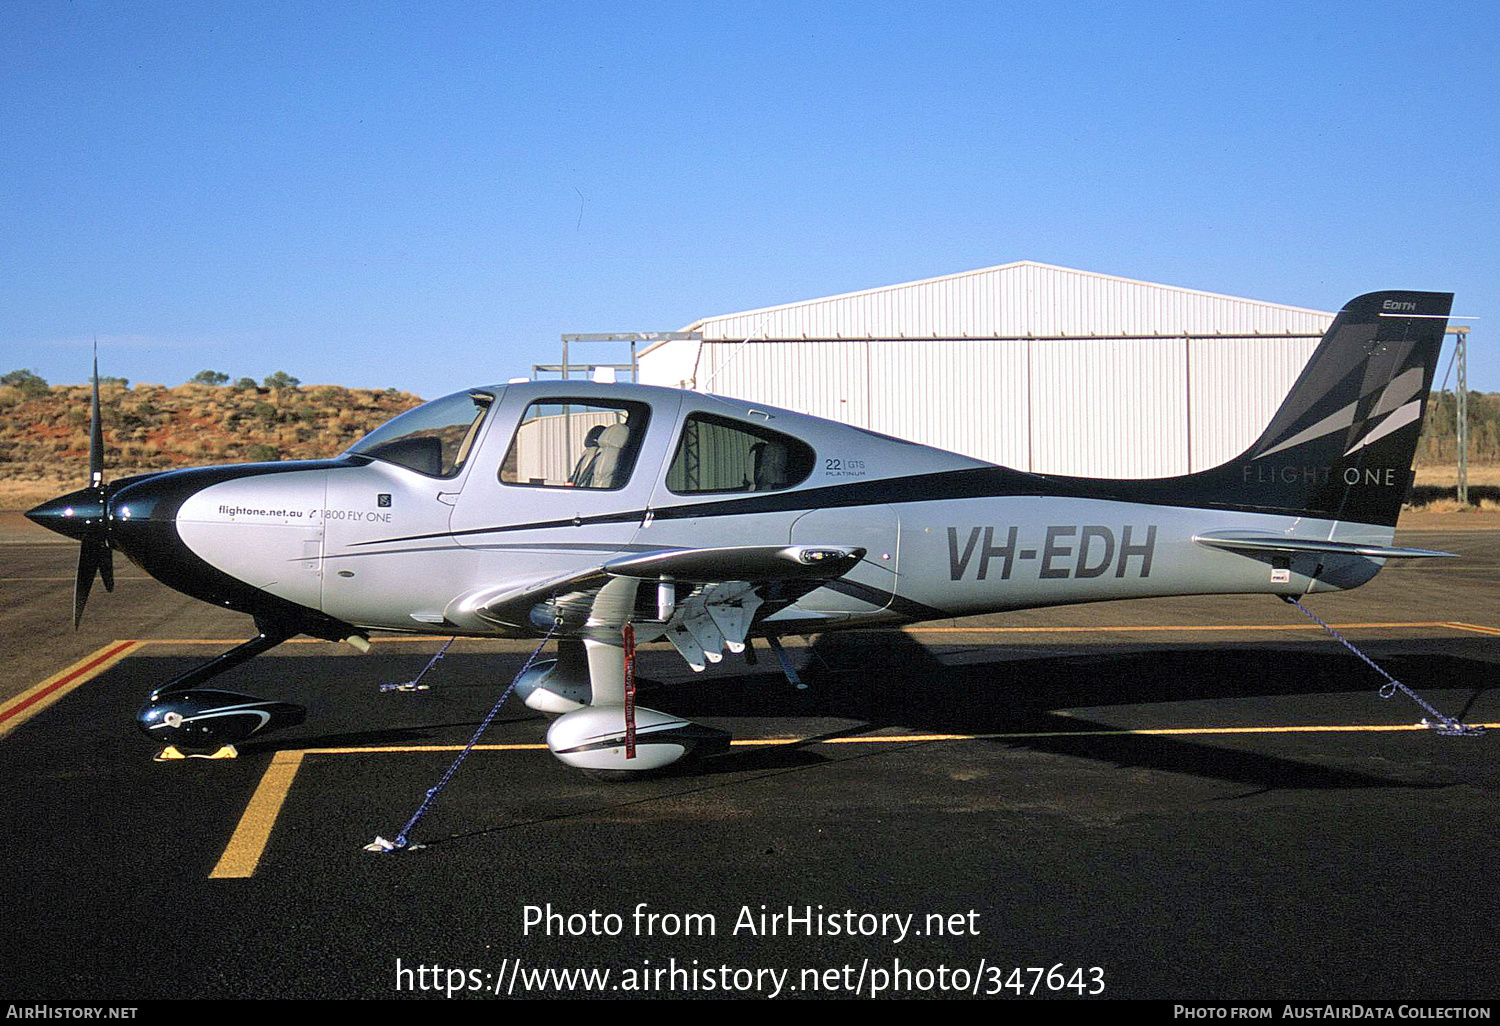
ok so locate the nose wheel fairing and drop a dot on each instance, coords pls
(209, 718)
(182, 714)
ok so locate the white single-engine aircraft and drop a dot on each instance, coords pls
(595, 512)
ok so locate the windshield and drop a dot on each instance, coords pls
(433, 439)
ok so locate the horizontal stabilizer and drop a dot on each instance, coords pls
(1236, 541)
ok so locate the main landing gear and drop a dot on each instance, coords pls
(599, 728)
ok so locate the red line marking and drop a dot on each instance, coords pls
(111, 653)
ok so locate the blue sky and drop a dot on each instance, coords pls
(424, 196)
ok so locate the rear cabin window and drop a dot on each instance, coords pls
(717, 454)
(576, 445)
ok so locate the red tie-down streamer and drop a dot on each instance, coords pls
(629, 691)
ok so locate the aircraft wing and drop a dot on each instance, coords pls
(1246, 541)
(702, 600)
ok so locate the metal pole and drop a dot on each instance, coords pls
(567, 417)
(1463, 418)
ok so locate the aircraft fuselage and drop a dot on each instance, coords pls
(385, 547)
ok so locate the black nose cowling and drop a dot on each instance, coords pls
(136, 516)
(142, 524)
(78, 514)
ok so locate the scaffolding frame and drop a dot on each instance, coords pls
(635, 338)
(1461, 409)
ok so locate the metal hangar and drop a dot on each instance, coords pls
(1036, 367)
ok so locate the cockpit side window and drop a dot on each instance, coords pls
(716, 454)
(576, 444)
(433, 439)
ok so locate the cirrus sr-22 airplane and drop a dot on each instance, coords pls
(602, 512)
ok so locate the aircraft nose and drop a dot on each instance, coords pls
(72, 514)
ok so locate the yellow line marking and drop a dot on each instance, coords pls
(1456, 625)
(320, 641)
(876, 739)
(248, 844)
(1070, 629)
(1172, 628)
(1138, 731)
(17, 710)
(21, 708)
(401, 749)
(249, 841)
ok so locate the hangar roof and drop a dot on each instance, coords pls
(1016, 300)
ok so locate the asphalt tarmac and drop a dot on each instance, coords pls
(1054, 803)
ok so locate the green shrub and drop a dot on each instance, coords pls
(29, 382)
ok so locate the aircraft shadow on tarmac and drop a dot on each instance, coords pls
(892, 681)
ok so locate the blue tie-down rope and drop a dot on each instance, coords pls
(415, 684)
(380, 845)
(1446, 726)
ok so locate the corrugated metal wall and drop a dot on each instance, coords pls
(1109, 409)
(826, 379)
(961, 396)
(1016, 299)
(1234, 386)
(1098, 407)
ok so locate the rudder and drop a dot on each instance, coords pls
(1341, 444)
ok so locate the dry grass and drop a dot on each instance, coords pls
(1441, 476)
(17, 494)
(1446, 505)
(44, 439)
(1436, 489)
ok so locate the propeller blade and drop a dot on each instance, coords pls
(96, 430)
(90, 554)
(94, 556)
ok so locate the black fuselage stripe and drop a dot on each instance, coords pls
(561, 546)
(974, 483)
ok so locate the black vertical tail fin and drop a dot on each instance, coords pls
(1341, 445)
